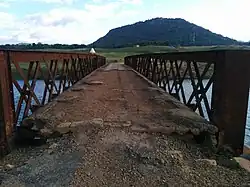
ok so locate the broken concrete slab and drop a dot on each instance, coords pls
(77, 124)
(189, 119)
(244, 163)
(97, 122)
(92, 82)
(212, 162)
(78, 89)
(46, 132)
(66, 99)
(63, 128)
(152, 130)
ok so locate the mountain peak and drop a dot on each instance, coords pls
(167, 31)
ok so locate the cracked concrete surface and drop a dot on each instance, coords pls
(126, 133)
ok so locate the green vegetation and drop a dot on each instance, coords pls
(42, 46)
(155, 32)
(162, 31)
(25, 66)
(117, 54)
(113, 55)
(157, 35)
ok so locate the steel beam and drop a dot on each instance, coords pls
(6, 104)
(12, 58)
(230, 97)
(230, 80)
(3, 146)
(27, 56)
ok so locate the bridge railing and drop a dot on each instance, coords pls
(213, 83)
(30, 79)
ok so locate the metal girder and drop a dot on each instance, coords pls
(65, 67)
(227, 73)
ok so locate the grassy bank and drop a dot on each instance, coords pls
(25, 66)
(112, 55)
(117, 54)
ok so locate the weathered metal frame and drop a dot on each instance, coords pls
(67, 67)
(229, 81)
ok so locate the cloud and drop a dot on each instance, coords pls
(8, 21)
(67, 24)
(227, 17)
(89, 21)
(57, 1)
(56, 17)
(4, 4)
(135, 2)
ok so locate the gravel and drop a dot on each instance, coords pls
(106, 151)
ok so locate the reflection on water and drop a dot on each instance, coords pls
(39, 89)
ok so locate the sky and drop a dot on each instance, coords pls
(84, 21)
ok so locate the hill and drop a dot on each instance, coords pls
(27, 46)
(161, 31)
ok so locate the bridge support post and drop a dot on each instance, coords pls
(230, 97)
(6, 104)
(2, 126)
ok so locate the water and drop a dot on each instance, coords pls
(39, 89)
(188, 91)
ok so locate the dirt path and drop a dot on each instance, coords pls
(125, 133)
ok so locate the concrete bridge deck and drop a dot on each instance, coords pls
(119, 130)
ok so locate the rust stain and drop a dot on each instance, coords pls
(227, 72)
(11, 59)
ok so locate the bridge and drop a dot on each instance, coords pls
(133, 124)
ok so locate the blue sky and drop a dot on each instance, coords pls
(84, 21)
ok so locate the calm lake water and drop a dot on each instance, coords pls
(187, 86)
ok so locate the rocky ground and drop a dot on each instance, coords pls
(116, 129)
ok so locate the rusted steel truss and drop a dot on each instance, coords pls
(190, 76)
(170, 75)
(36, 78)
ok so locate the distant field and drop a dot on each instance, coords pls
(117, 54)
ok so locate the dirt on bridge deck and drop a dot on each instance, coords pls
(124, 131)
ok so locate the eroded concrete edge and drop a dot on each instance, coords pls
(205, 126)
(29, 130)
